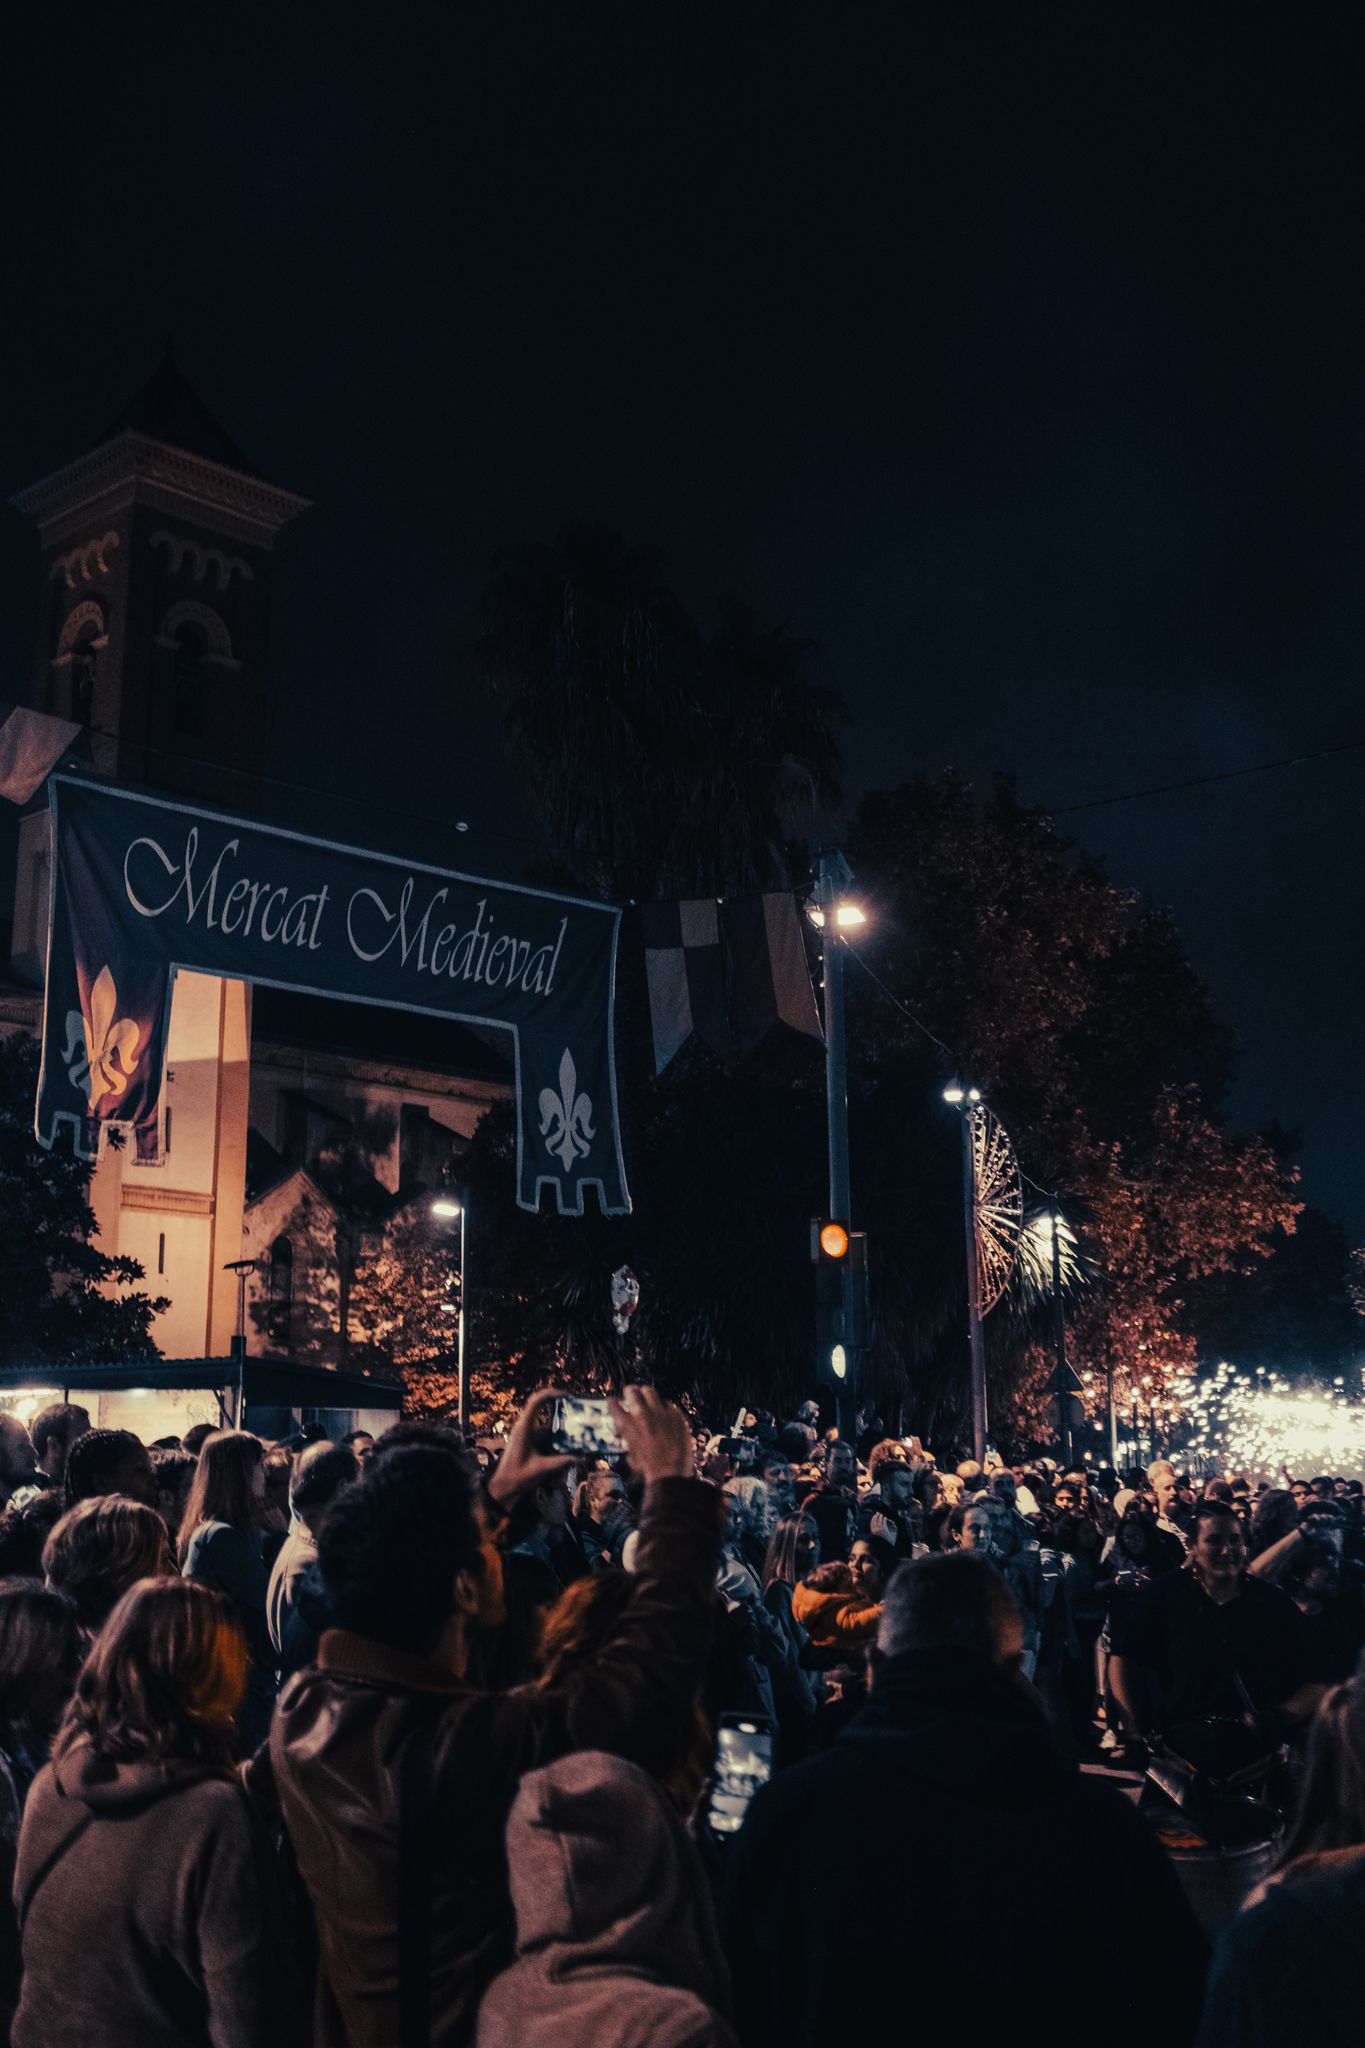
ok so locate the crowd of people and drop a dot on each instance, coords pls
(408, 1742)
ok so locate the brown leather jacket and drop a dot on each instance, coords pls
(340, 1727)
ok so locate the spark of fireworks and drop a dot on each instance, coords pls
(1264, 1425)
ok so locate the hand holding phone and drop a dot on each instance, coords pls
(744, 1761)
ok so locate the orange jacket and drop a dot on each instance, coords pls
(835, 1618)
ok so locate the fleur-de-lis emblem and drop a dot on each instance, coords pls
(565, 1118)
(101, 1049)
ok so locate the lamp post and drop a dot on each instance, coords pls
(832, 915)
(447, 1208)
(242, 1268)
(966, 1101)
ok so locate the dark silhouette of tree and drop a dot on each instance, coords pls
(65, 1302)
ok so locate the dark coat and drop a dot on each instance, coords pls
(341, 1729)
(942, 1863)
(1289, 1970)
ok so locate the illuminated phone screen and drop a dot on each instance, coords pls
(744, 1761)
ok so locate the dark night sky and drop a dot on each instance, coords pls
(1016, 355)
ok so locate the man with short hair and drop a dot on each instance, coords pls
(20, 1478)
(54, 1429)
(834, 1502)
(396, 1775)
(944, 1816)
(602, 1523)
(890, 1508)
(317, 1478)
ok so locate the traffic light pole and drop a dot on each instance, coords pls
(976, 1335)
(834, 873)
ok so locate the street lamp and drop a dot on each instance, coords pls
(446, 1208)
(965, 1101)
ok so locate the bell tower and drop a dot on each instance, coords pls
(157, 552)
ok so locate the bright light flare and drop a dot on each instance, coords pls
(443, 1206)
(1262, 1424)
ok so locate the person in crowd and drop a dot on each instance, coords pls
(1274, 1517)
(173, 1471)
(361, 1441)
(143, 1881)
(99, 1549)
(793, 1551)
(109, 1461)
(779, 1491)
(292, 1618)
(1327, 1831)
(1200, 1641)
(1136, 1554)
(221, 1546)
(890, 1509)
(747, 1521)
(1327, 1588)
(872, 1561)
(40, 1655)
(23, 1532)
(54, 1429)
(830, 1605)
(952, 1752)
(602, 1519)
(277, 1466)
(197, 1435)
(20, 1478)
(616, 1940)
(385, 1760)
(833, 1504)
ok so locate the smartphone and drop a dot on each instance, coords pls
(585, 1429)
(744, 1761)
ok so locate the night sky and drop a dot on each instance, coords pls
(1015, 355)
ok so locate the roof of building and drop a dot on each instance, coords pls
(169, 409)
(279, 1382)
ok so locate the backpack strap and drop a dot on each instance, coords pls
(416, 1855)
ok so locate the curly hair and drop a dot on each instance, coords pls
(100, 1548)
(164, 1679)
(391, 1546)
(94, 1459)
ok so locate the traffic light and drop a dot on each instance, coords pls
(840, 1257)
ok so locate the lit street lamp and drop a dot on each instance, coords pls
(966, 1101)
(832, 913)
(446, 1208)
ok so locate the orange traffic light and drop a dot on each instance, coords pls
(834, 1241)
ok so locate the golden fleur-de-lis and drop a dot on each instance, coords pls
(565, 1119)
(101, 1049)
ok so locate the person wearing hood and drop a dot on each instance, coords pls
(945, 1812)
(616, 1936)
(144, 1884)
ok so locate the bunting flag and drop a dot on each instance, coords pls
(31, 745)
(728, 971)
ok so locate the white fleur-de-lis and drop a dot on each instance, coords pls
(565, 1119)
(94, 1043)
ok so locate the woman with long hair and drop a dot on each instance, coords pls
(40, 1654)
(144, 1885)
(1328, 1831)
(99, 1549)
(222, 1546)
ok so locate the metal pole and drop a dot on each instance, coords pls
(1059, 1343)
(1110, 1415)
(464, 1317)
(833, 872)
(976, 1336)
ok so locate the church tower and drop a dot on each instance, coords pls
(156, 560)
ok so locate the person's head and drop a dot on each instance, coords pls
(1160, 1470)
(793, 1550)
(809, 1413)
(971, 1526)
(1219, 1489)
(1004, 1487)
(276, 1467)
(174, 1474)
(950, 1488)
(841, 1466)
(100, 1548)
(163, 1680)
(40, 1653)
(23, 1532)
(1331, 1805)
(1323, 1487)
(1134, 1533)
(1273, 1517)
(109, 1461)
(54, 1429)
(228, 1485)
(400, 1551)
(17, 1461)
(196, 1436)
(1218, 1549)
(956, 1601)
(1066, 1498)
(361, 1443)
(1300, 1491)
(318, 1476)
(606, 1502)
(873, 1560)
(776, 1474)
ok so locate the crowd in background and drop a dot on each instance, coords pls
(408, 1741)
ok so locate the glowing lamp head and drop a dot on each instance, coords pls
(444, 1206)
(834, 1241)
(838, 1362)
(955, 1094)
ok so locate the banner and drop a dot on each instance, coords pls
(728, 970)
(141, 887)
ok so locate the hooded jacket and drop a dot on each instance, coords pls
(616, 1937)
(150, 1912)
(843, 1618)
(343, 1731)
(944, 1834)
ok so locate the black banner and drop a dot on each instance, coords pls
(141, 888)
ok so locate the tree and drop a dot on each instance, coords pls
(65, 1301)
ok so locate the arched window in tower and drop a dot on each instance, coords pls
(188, 679)
(78, 651)
(279, 1314)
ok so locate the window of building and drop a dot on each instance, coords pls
(280, 1299)
(168, 1131)
(161, 1253)
(188, 677)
